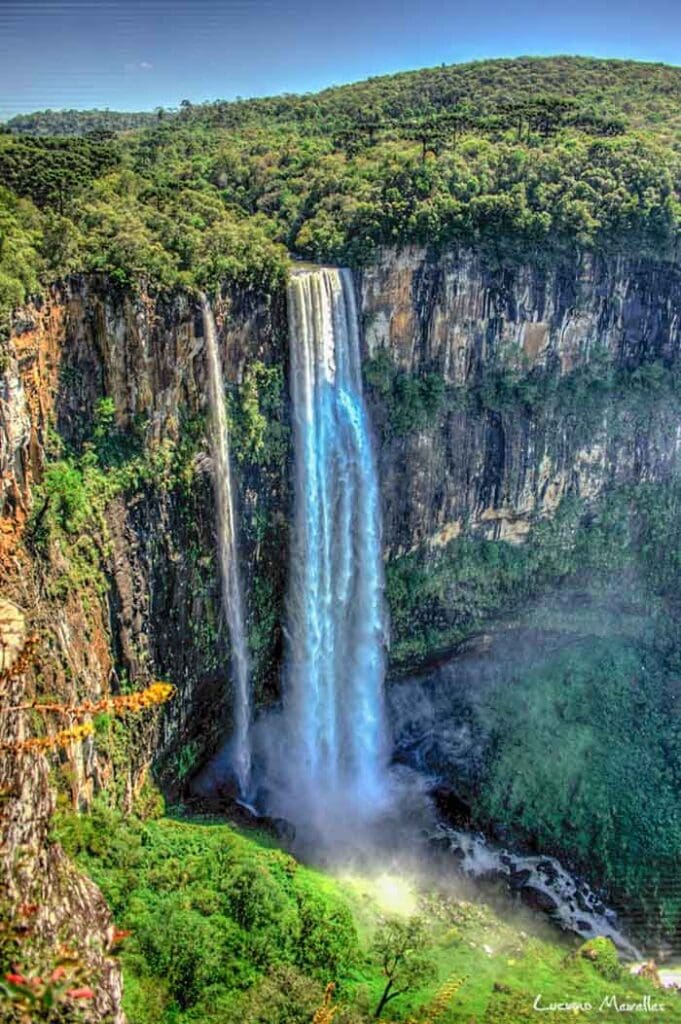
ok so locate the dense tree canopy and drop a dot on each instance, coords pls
(524, 158)
(79, 122)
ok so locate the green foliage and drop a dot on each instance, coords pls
(66, 496)
(68, 516)
(225, 927)
(438, 597)
(401, 950)
(327, 940)
(407, 402)
(99, 123)
(411, 402)
(258, 435)
(608, 792)
(52, 171)
(104, 422)
(283, 996)
(71, 500)
(186, 760)
(606, 798)
(602, 953)
(523, 158)
(510, 1007)
(211, 913)
(20, 259)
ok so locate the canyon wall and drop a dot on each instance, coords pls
(542, 389)
(485, 462)
(128, 591)
(158, 612)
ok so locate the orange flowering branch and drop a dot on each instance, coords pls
(157, 693)
(62, 738)
(442, 1000)
(327, 1011)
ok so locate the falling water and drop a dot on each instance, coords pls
(232, 599)
(333, 696)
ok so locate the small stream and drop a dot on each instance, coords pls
(540, 882)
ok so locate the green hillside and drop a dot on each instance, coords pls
(78, 122)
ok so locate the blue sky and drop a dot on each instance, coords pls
(139, 54)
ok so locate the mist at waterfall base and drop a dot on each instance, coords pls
(319, 762)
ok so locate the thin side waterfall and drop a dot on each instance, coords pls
(232, 593)
(336, 621)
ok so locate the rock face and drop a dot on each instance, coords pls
(159, 614)
(454, 314)
(486, 464)
(148, 605)
(499, 466)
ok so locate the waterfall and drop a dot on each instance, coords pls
(336, 623)
(232, 599)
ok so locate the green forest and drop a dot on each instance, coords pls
(522, 158)
(218, 924)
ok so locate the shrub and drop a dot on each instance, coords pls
(602, 953)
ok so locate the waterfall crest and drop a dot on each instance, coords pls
(230, 578)
(336, 623)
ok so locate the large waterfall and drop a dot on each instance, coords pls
(232, 596)
(336, 624)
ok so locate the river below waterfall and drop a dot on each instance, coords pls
(540, 882)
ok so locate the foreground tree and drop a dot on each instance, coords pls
(400, 947)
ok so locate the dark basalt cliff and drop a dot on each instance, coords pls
(499, 464)
(145, 602)
(486, 458)
(492, 467)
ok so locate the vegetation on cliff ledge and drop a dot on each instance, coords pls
(221, 925)
(519, 157)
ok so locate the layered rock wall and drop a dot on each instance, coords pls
(496, 467)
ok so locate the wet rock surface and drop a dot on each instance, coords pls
(540, 883)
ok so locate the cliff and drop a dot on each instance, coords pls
(502, 463)
(538, 399)
(497, 397)
(107, 550)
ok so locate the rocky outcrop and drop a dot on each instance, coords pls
(454, 314)
(46, 898)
